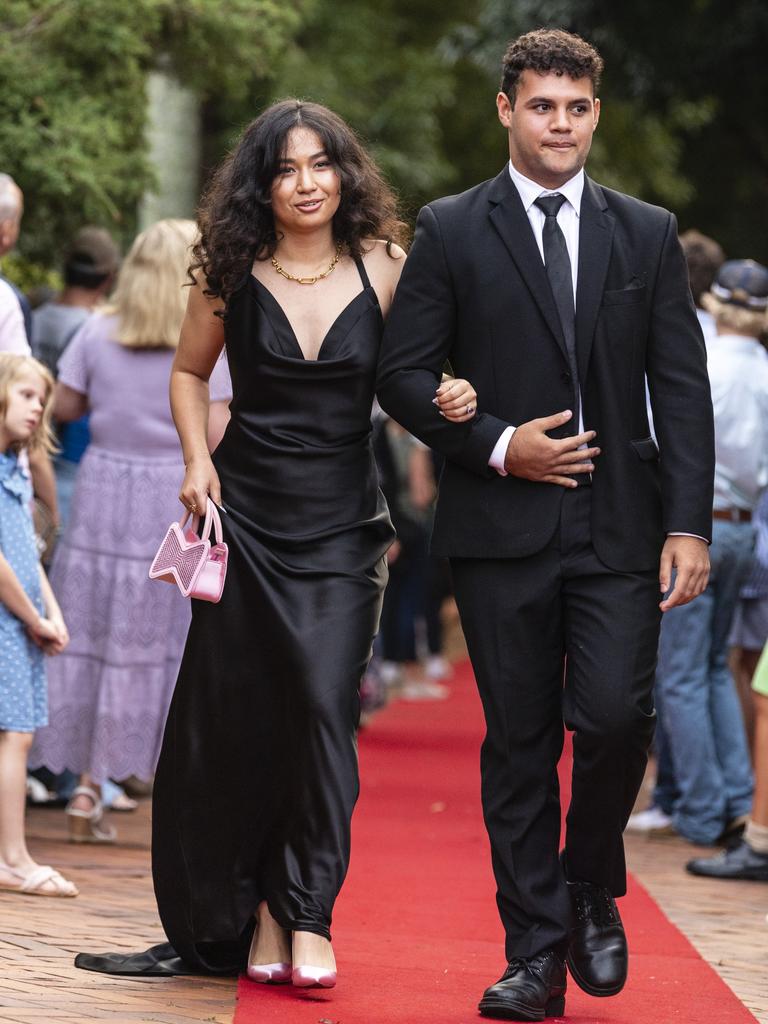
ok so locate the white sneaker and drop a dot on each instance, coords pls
(37, 792)
(391, 673)
(424, 690)
(436, 667)
(652, 820)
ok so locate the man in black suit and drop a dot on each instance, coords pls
(562, 517)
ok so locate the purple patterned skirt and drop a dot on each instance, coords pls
(109, 691)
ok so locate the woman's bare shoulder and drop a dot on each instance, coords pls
(384, 263)
(200, 302)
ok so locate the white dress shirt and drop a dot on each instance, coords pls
(707, 324)
(568, 221)
(13, 336)
(738, 377)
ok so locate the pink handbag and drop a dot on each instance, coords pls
(191, 561)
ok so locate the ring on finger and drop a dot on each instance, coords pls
(470, 408)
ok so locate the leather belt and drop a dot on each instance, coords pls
(733, 515)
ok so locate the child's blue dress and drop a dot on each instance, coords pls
(23, 697)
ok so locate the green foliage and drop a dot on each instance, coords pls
(70, 126)
(30, 277)
(219, 47)
(381, 65)
(640, 153)
(72, 96)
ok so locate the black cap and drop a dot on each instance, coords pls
(742, 283)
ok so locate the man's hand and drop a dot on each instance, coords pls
(534, 456)
(690, 556)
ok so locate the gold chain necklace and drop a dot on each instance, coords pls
(310, 280)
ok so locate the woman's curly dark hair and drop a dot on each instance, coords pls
(235, 216)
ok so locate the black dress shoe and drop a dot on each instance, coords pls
(597, 950)
(531, 988)
(739, 862)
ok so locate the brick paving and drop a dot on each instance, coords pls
(726, 921)
(115, 911)
(39, 937)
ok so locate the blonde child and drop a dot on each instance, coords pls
(31, 624)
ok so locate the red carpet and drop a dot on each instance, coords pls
(416, 933)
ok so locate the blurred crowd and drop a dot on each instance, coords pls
(104, 496)
(711, 692)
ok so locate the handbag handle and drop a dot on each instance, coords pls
(211, 517)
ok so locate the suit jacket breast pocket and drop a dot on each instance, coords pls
(624, 296)
(645, 449)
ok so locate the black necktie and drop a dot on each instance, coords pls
(558, 267)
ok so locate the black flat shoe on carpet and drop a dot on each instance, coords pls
(531, 989)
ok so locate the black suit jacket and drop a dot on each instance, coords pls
(474, 292)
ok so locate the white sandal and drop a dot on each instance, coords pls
(34, 884)
(87, 826)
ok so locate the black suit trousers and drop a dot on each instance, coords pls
(559, 638)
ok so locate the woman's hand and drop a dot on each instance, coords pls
(393, 552)
(456, 400)
(200, 480)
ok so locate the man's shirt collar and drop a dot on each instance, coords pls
(531, 190)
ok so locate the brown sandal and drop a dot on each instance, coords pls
(87, 826)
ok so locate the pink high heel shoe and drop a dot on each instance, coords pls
(313, 977)
(270, 974)
(267, 974)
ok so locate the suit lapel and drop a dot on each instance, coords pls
(509, 218)
(596, 226)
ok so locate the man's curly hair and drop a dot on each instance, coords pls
(547, 50)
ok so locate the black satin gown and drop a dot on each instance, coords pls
(258, 772)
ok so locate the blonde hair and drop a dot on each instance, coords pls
(736, 318)
(12, 367)
(150, 297)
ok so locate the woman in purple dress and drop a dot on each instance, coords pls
(109, 697)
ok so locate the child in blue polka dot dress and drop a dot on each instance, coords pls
(31, 624)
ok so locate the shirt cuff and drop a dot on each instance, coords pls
(499, 453)
(689, 535)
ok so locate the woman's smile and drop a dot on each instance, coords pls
(310, 205)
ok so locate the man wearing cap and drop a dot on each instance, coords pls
(91, 261)
(90, 264)
(699, 709)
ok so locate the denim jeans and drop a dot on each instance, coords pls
(700, 719)
(665, 791)
(66, 474)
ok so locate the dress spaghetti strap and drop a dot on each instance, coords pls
(361, 271)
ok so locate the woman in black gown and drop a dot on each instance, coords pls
(258, 775)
